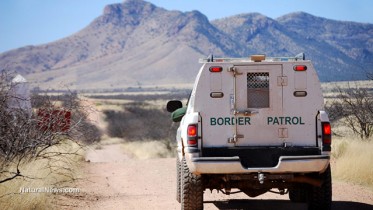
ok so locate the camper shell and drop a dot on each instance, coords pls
(254, 124)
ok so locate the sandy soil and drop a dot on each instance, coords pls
(115, 181)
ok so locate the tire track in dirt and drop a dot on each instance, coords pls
(115, 181)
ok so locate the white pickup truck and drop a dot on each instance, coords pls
(256, 125)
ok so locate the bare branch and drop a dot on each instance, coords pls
(355, 106)
(30, 134)
(17, 174)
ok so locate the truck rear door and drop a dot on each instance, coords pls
(279, 103)
(257, 105)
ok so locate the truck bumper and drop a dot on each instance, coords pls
(232, 165)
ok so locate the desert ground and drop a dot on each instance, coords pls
(115, 180)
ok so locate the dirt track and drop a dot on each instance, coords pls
(115, 181)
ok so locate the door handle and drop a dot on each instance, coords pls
(247, 112)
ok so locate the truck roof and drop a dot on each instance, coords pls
(253, 58)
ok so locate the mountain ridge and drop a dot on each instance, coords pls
(137, 43)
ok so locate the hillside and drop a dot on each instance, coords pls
(136, 43)
(339, 50)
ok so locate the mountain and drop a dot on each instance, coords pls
(339, 50)
(348, 45)
(136, 43)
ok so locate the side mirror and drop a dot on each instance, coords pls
(173, 105)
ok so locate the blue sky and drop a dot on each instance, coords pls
(33, 22)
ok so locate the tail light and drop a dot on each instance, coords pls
(192, 135)
(300, 68)
(326, 136)
(216, 69)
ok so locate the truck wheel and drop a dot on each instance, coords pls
(298, 195)
(192, 189)
(178, 179)
(320, 198)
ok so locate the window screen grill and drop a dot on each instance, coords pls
(258, 90)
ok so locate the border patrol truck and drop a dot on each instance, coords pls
(254, 125)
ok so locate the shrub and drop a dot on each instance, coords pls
(27, 133)
(354, 106)
(140, 122)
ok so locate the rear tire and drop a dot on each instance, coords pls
(320, 198)
(178, 179)
(192, 189)
(298, 195)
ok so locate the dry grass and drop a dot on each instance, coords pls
(353, 160)
(106, 140)
(352, 156)
(330, 89)
(105, 104)
(43, 174)
(329, 86)
(147, 149)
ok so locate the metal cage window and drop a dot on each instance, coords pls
(258, 90)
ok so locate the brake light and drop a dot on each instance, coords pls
(327, 130)
(216, 69)
(300, 68)
(326, 136)
(192, 135)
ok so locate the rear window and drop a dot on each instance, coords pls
(258, 90)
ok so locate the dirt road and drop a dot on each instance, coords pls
(116, 181)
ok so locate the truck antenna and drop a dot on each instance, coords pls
(210, 58)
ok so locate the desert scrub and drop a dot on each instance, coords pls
(353, 160)
(139, 121)
(143, 122)
(339, 147)
(147, 149)
(53, 171)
